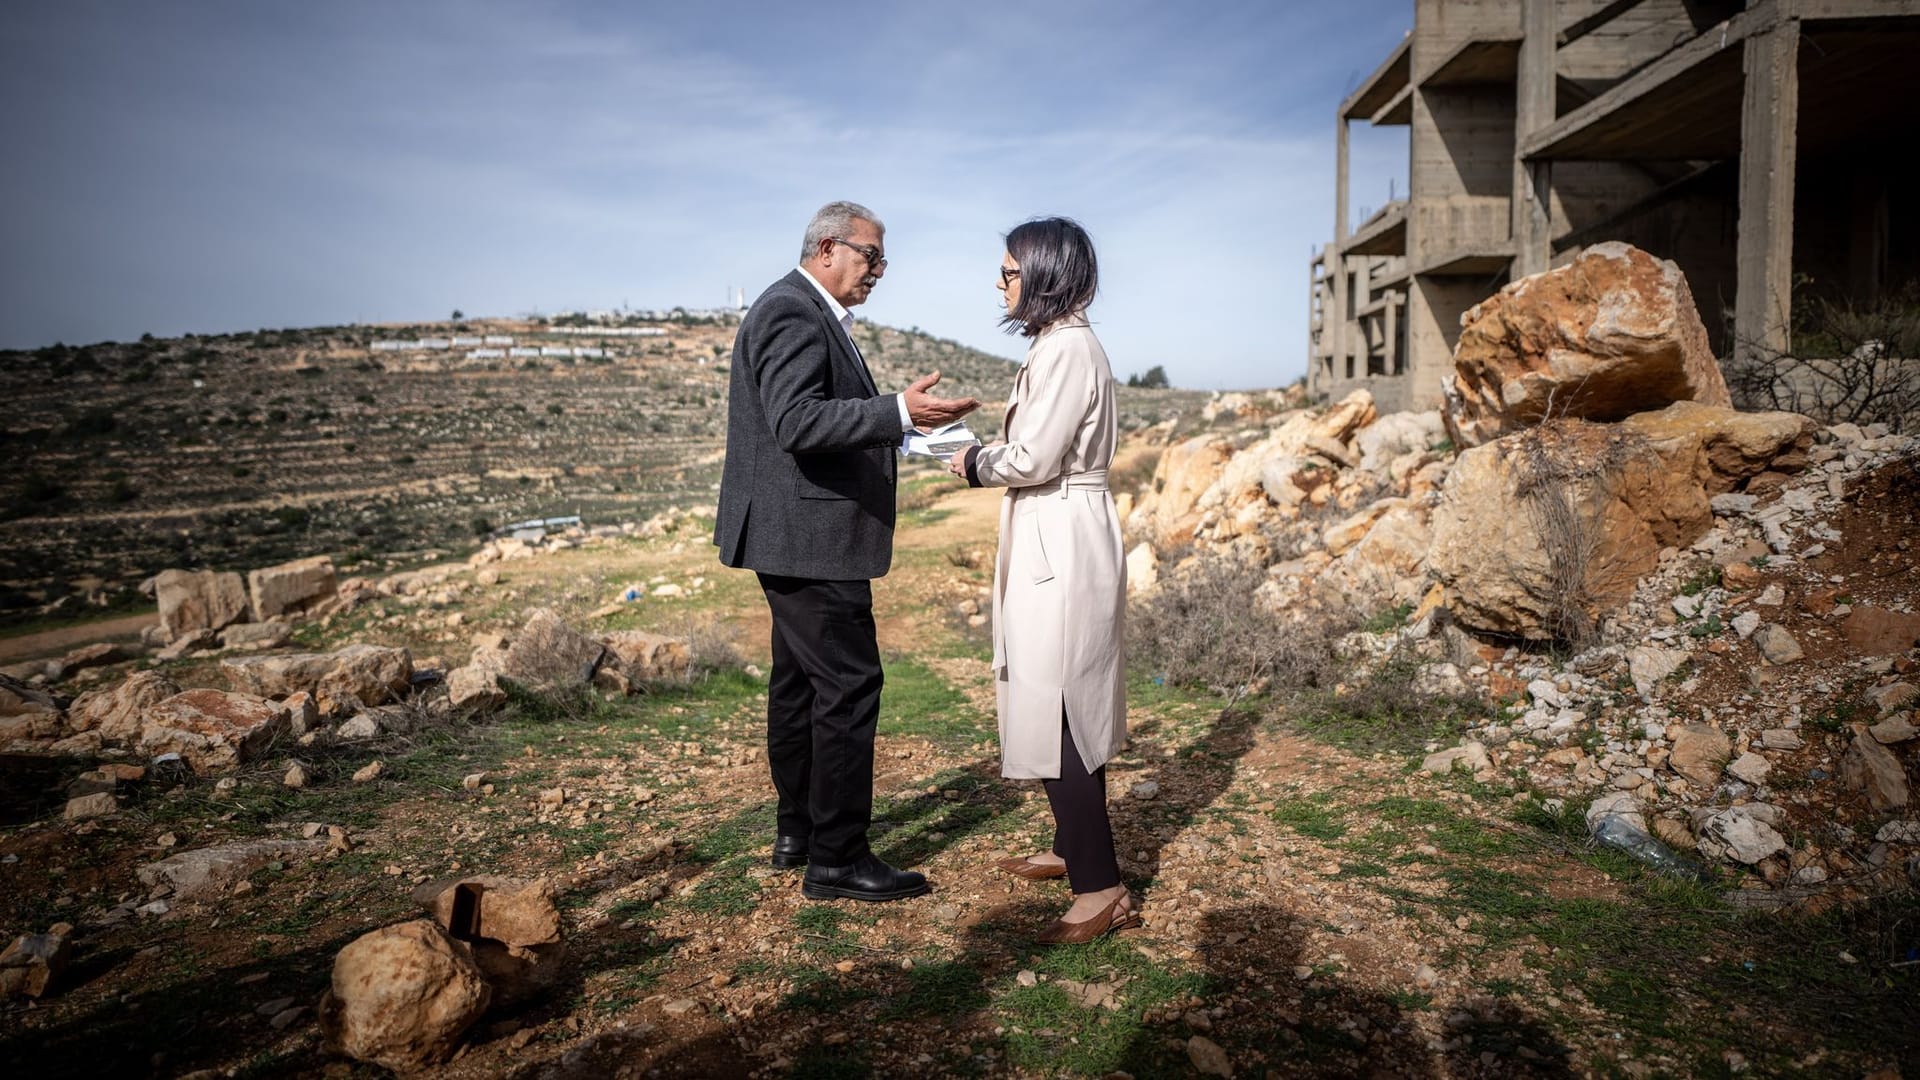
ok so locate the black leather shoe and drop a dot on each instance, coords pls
(867, 878)
(789, 852)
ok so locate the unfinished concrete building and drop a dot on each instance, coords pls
(1768, 147)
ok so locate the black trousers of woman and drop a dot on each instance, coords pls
(1082, 834)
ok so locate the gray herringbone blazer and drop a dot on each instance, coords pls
(808, 485)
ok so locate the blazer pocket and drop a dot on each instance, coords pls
(827, 483)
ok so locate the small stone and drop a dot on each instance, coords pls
(553, 797)
(370, 771)
(843, 967)
(1771, 596)
(1207, 1057)
(1750, 767)
(1425, 978)
(1892, 696)
(1780, 739)
(1894, 729)
(720, 980)
(360, 727)
(98, 804)
(1144, 790)
(296, 776)
(472, 781)
(1746, 623)
(284, 1019)
(1776, 645)
(1026, 978)
(1899, 832)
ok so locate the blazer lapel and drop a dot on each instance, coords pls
(836, 336)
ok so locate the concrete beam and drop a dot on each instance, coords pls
(1769, 123)
(1653, 78)
(1821, 10)
(1386, 81)
(1533, 109)
(1582, 27)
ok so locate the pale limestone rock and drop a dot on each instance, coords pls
(211, 730)
(198, 600)
(402, 996)
(116, 711)
(1611, 334)
(1699, 752)
(1867, 766)
(291, 587)
(208, 873)
(1735, 834)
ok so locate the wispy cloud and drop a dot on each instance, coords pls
(233, 165)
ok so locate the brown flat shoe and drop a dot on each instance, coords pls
(1021, 866)
(1114, 918)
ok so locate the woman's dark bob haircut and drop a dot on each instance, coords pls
(1058, 273)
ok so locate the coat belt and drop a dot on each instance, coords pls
(1091, 480)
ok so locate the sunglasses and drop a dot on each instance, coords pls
(1008, 273)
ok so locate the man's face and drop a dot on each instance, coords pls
(844, 268)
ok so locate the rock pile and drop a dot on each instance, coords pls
(403, 995)
(1602, 493)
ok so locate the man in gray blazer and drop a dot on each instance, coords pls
(807, 502)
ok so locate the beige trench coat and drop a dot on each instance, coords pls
(1060, 580)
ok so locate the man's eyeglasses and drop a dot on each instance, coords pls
(1007, 274)
(875, 260)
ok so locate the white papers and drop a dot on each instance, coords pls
(941, 442)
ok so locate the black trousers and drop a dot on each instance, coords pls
(1082, 835)
(823, 703)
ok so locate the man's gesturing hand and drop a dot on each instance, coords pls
(928, 412)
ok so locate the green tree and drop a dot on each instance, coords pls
(458, 314)
(1154, 379)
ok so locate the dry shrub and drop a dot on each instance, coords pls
(1203, 627)
(1857, 363)
(712, 642)
(1565, 485)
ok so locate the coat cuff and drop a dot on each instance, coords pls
(973, 467)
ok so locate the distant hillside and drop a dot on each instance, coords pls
(242, 450)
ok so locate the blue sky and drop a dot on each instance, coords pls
(216, 166)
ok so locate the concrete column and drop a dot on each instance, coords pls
(1392, 356)
(1336, 323)
(1533, 109)
(1769, 119)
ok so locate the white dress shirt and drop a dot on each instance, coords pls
(845, 319)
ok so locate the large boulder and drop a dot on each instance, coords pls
(512, 927)
(212, 730)
(1388, 565)
(1612, 333)
(116, 711)
(1543, 533)
(549, 654)
(1185, 471)
(198, 600)
(478, 683)
(402, 996)
(291, 587)
(645, 657)
(28, 712)
(343, 681)
(1396, 434)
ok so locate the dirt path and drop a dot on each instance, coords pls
(54, 642)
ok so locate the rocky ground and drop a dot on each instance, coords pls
(1317, 902)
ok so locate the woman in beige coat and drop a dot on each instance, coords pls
(1060, 590)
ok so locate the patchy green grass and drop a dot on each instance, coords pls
(916, 701)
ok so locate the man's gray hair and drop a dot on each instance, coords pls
(834, 219)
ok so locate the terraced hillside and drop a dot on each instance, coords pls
(242, 450)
